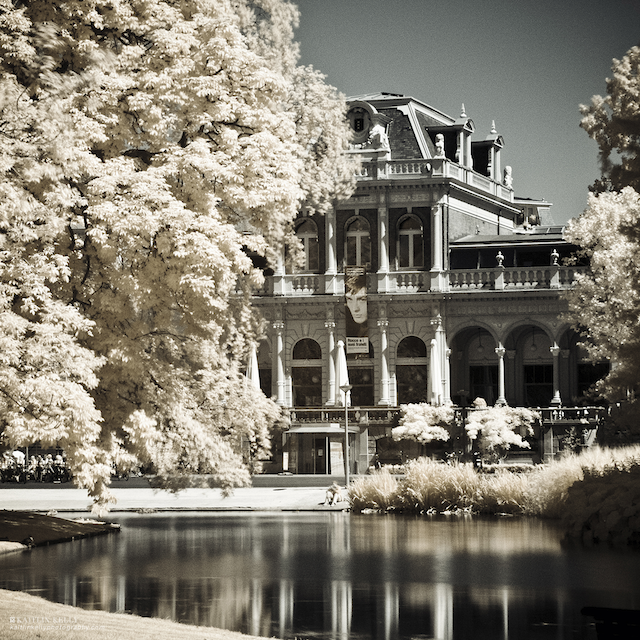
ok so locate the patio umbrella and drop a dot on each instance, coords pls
(253, 374)
(342, 376)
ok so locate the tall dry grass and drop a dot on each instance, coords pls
(427, 486)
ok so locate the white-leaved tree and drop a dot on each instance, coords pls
(499, 428)
(604, 305)
(147, 147)
(424, 423)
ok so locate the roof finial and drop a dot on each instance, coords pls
(463, 114)
(493, 127)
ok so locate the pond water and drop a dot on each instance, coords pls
(337, 576)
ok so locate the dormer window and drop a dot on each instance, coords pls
(360, 123)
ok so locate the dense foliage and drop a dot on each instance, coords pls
(146, 148)
(499, 428)
(423, 423)
(614, 123)
(605, 304)
(595, 495)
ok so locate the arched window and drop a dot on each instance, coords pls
(307, 349)
(307, 232)
(358, 243)
(410, 243)
(412, 370)
(306, 374)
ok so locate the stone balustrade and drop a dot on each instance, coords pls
(513, 278)
(357, 415)
(434, 168)
(407, 282)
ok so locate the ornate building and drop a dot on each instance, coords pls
(441, 282)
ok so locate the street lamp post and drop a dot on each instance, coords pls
(345, 388)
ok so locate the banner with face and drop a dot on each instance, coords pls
(357, 327)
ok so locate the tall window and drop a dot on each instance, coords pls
(358, 245)
(412, 370)
(361, 378)
(538, 384)
(483, 380)
(483, 367)
(538, 367)
(307, 374)
(410, 243)
(307, 232)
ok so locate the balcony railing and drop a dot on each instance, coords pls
(573, 415)
(513, 278)
(406, 282)
(357, 415)
(433, 168)
(589, 417)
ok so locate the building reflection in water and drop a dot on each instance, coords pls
(337, 576)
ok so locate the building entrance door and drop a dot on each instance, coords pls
(320, 454)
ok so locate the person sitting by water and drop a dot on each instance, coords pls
(334, 494)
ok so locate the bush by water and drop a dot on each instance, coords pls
(596, 493)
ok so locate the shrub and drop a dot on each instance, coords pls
(596, 494)
(378, 492)
(498, 428)
(423, 423)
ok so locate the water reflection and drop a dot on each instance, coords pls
(337, 576)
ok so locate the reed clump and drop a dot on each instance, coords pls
(430, 487)
(377, 492)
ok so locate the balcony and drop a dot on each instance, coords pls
(364, 416)
(588, 418)
(433, 168)
(512, 279)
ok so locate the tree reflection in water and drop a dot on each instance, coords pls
(338, 576)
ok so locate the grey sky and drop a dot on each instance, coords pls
(526, 64)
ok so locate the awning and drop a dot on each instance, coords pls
(327, 428)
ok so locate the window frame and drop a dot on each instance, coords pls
(358, 236)
(411, 235)
(305, 239)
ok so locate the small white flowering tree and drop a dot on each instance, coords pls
(498, 428)
(423, 423)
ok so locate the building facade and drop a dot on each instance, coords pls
(434, 282)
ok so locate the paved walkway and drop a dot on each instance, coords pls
(131, 497)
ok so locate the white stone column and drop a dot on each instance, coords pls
(555, 352)
(280, 374)
(447, 387)
(439, 379)
(330, 228)
(383, 324)
(279, 278)
(330, 326)
(436, 248)
(330, 278)
(383, 250)
(501, 351)
(441, 340)
(434, 375)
